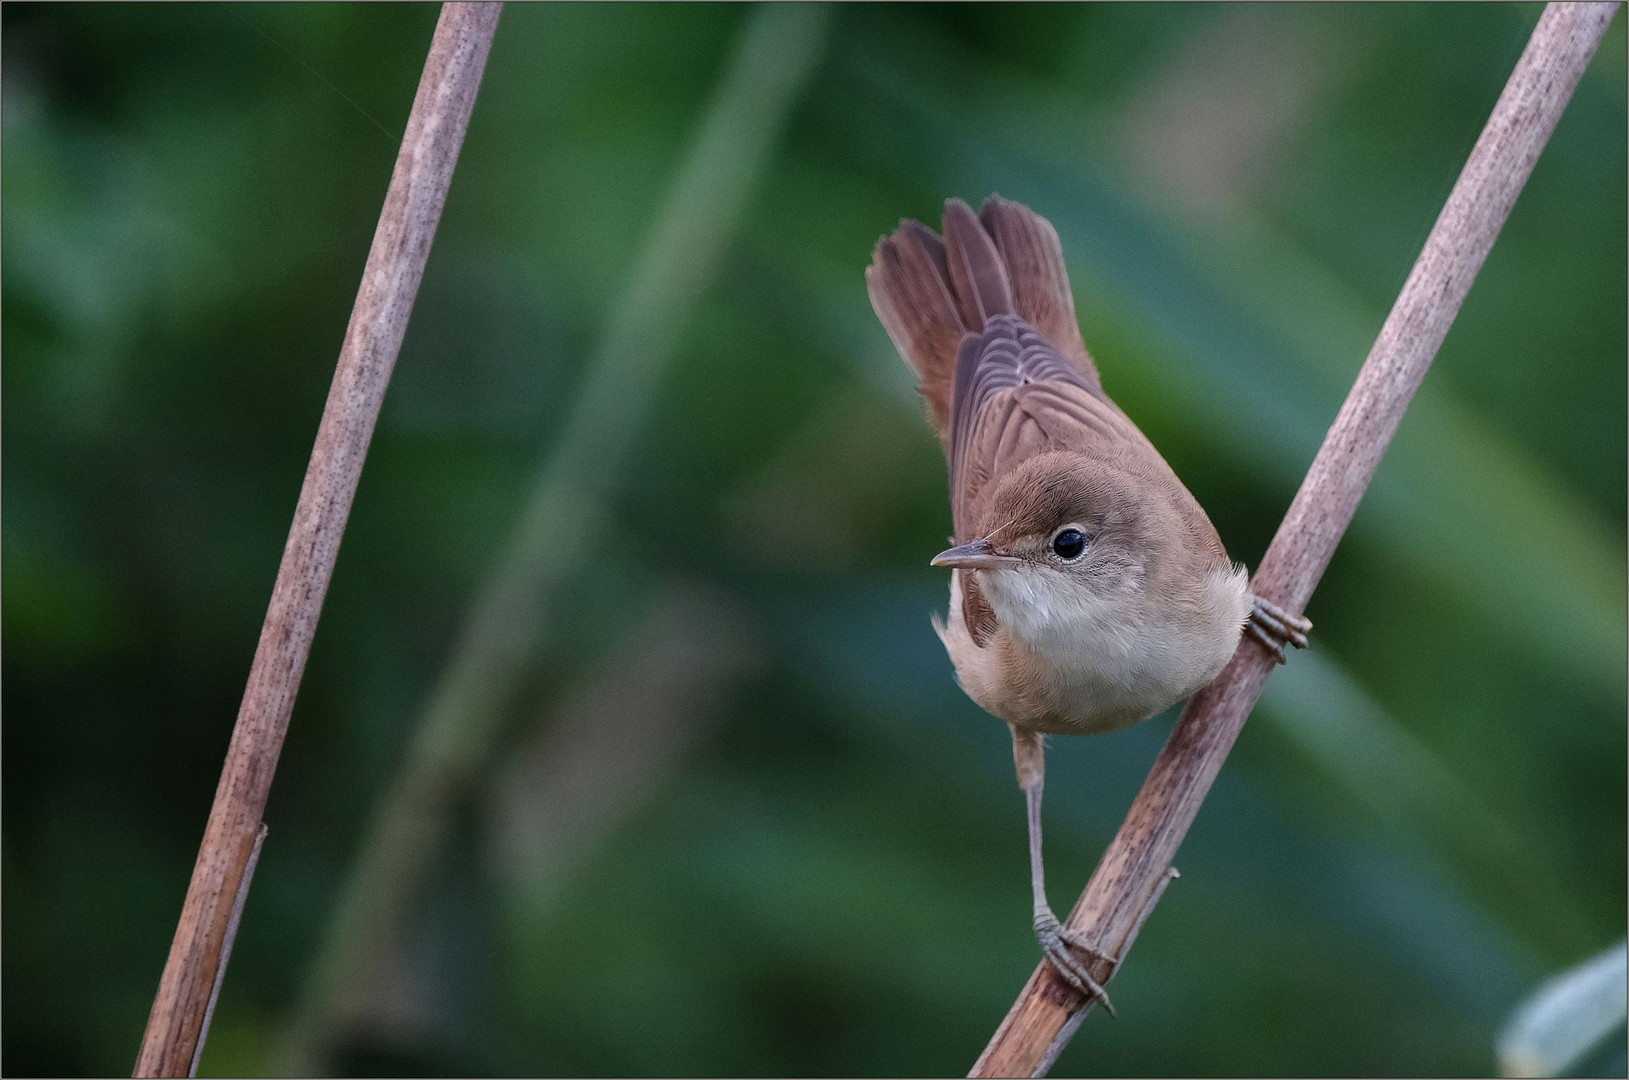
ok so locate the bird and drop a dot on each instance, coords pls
(1088, 588)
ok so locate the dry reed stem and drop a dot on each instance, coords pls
(1137, 864)
(390, 281)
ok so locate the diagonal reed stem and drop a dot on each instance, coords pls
(777, 54)
(390, 282)
(1135, 868)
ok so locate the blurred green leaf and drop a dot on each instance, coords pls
(1566, 1018)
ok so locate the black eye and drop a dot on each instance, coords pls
(1069, 544)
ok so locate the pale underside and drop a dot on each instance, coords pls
(1085, 668)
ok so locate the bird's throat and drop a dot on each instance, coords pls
(1049, 613)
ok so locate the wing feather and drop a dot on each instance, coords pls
(1017, 396)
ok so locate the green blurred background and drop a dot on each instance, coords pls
(708, 800)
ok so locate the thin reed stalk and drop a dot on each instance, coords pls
(390, 281)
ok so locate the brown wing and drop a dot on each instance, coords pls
(977, 615)
(1016, 396)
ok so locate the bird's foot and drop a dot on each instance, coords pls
(1056, 941)
(1275, 628)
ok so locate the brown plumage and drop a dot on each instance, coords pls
(979, 316)
(1089, 590)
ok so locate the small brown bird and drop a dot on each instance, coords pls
(1088, 588)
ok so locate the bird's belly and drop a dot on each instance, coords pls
(1093, 695)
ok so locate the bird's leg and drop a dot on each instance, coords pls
(1055, 939)
(1275, 628)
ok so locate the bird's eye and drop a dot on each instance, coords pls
(1069, 544)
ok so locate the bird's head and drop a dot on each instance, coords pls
(1062, 533)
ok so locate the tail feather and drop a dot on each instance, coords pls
(976, 270)
(909, 283)
(1033, 256)
(931, 293)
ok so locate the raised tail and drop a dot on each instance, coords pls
(930, 293)
(978, 274)
(909, 283)
(1033, 255)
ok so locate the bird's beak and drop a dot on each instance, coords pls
(975, 556)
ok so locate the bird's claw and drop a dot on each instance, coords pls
(1275, 628)
(1056, 941)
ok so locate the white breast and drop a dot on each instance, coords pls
(1071, 661)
